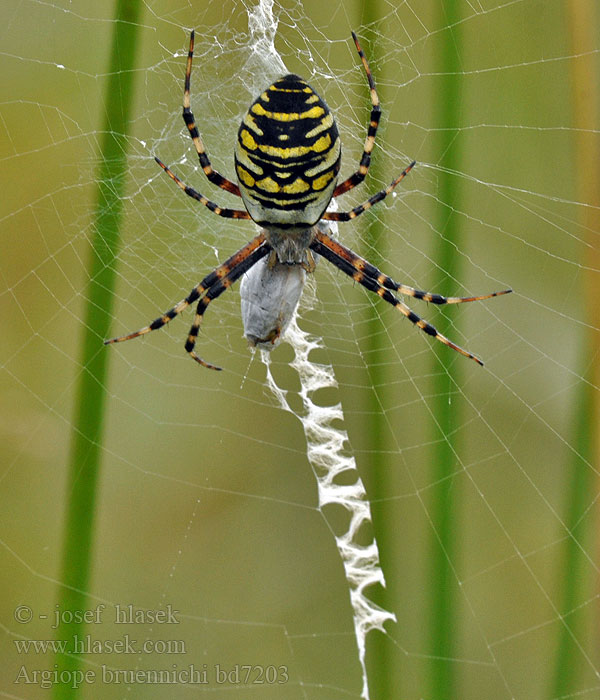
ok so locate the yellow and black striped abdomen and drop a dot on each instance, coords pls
(287, 155)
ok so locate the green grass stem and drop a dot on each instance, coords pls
(575, 585)
(382, 672)
(86, 448)
(445, 498)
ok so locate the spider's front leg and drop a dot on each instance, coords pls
(215, 291)
(347, 261)
(229, 267)
(385, 281)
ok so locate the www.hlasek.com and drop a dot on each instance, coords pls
(237, 675)
(86, 644)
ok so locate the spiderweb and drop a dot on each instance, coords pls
(209, 498)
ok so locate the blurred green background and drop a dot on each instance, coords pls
(206, 501)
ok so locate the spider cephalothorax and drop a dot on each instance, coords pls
(287, 159)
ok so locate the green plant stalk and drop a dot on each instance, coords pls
(571, 573)
(86, 444)
(445, 499)
(575, 586)
(382, 669)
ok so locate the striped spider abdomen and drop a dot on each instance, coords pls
(287, 155)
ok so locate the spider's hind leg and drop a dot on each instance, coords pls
(377, 197)
(365, 161)
(188, 117)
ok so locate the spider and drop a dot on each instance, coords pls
(287, 159)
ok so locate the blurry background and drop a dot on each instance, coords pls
(206, 499)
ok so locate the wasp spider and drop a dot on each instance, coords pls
(287, 159)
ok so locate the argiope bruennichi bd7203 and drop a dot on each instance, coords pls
(287, 159)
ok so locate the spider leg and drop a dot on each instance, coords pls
(219, 286)
(189, 120)
(374, 286)
(381, 278)
(353, 213)
(207, 283)
(365, 160)
(191, 192)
